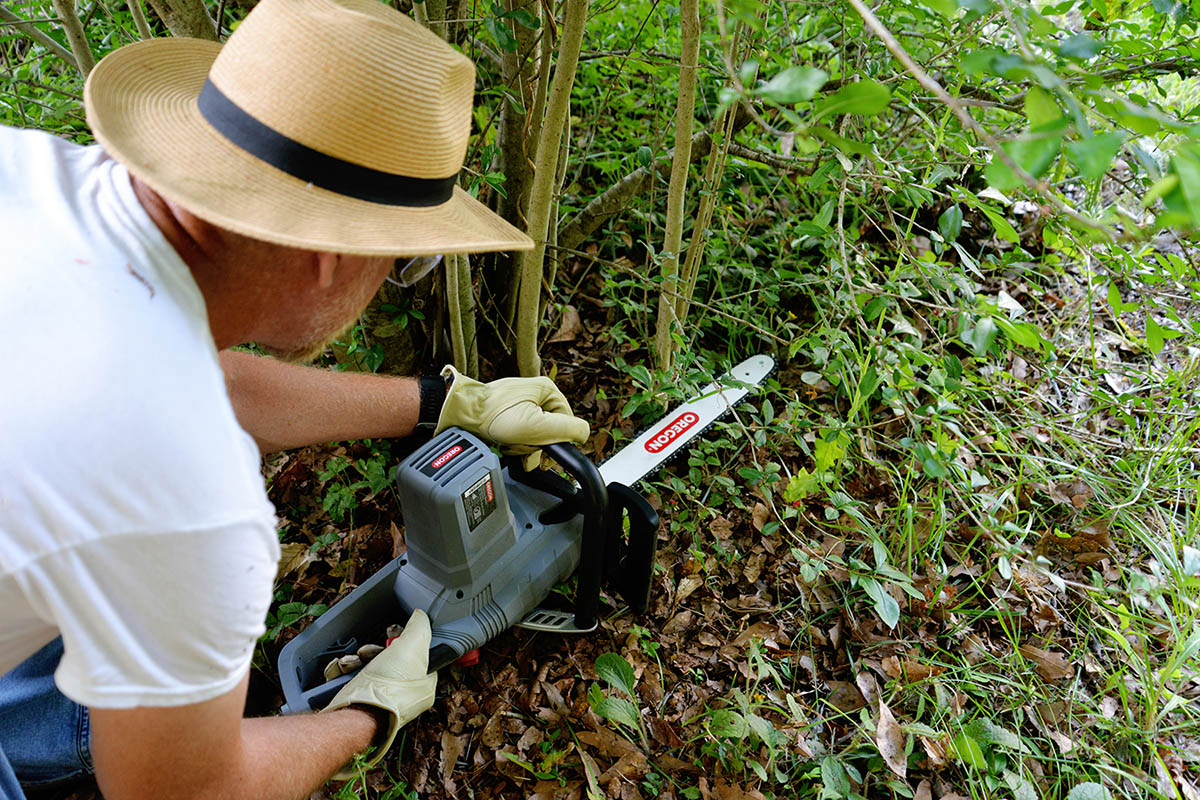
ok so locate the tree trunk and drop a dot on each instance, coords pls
(186, 18)
(558, 108)
(685, 106)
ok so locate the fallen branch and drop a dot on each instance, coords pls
(617, 197)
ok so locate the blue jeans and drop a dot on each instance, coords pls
(44, 737)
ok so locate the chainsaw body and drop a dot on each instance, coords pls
(486, 544)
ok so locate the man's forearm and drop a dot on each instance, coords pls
(207, 750)
(291, 757)
(285, 405)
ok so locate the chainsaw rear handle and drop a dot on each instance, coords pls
(595, 510)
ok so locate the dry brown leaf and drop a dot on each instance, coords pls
(1051, 666)
(607, 743)
(759, 630)
(919, 670)
(399, 546)
(631, 766)
(1072, 493)
(924, 790)
(664, 733)
(869, 688)
(759, 516)
(891, 667)
(590, 772)
(721, 528)
(845, 696)
(531, 737)
(293, 557)
(452, 747)
(754, 567)
(678, 623)
(1086, 545)
(936, 749)
(570, 328)
(687, 585)
(891, 740)
(493, 732)
(1065, 745)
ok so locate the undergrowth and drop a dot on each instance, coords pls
(952, 549)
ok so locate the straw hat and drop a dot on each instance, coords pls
(334, 125)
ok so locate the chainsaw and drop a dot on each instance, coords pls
(487, 541)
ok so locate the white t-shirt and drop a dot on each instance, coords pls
(133, 517)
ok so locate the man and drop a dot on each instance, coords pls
(256, 192)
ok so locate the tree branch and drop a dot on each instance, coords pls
(73, 28)
(30, 31)
(889, 41)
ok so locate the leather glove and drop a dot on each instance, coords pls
(519, 414)
(395, 681)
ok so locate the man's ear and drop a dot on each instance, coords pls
(325, 266)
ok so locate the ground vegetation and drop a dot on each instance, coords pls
(953, 549)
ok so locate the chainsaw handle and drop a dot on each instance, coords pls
(595, 508)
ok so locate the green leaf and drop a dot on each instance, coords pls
(1187, 166)
(1118, 305)
(980, 62)
(1034, 152)
(1156, 335)
(1022, 333)
(981, 337)
(763, 729)
(793, 85)
(1040, 108)
(864, 97)
(1089, 791)
(728, 724)
(800, 486)
(1093, 156)
(617, 709)
(834, 780)
(950, 223)
(1079, 47)
(984, 730)
(614, 670)
(840, 142)
(885, 605)
(969, 751)
(1003, 227)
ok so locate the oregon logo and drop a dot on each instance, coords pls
(672, 432)
(445, 457)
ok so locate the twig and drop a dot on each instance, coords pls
(47, 88)
(27, 29)
(923, 78)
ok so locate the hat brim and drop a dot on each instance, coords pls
(141, 105)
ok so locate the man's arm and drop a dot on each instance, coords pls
(286, 405)
(207, 750)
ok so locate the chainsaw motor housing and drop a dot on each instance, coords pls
(479, 559)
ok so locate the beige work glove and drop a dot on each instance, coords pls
(519, 414)
(395, 681)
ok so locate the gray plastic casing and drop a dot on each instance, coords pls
(476, 566)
